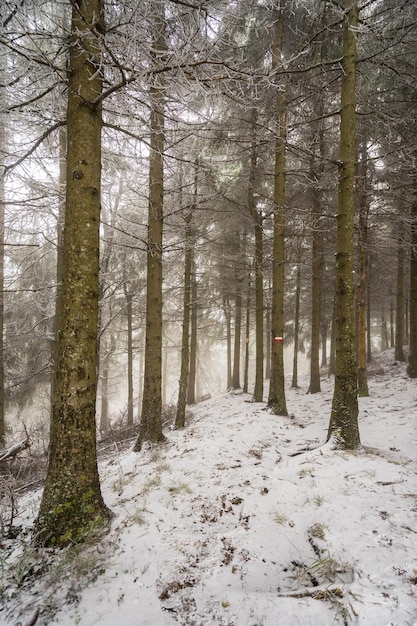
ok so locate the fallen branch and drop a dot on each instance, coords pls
(14, 449)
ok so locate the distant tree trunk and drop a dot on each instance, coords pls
(384, 332)
(343, 426)
(238, 335)
(316, 294)
(391, 321)
(368, 315)
(406, 339)
(399, 327)
(140, 375)
(323, 330)
(228, 318)
(412, 353)
(193, 338)
(332, 359)
(151, 419)
(247, 336)
(363, 209)
(294, 382)
(72, 504)
(316, 167)
(259, 271)
(268, 337)
(276, 398)
(108, 349)
(129, 315)
(185, 341)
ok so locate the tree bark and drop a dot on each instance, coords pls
(72, 505)
(151, 420)
(228, 316)
(343, 427)
(238, 333)
(129, 316)
(185, 341)
(294, 382)
(412, 353)
(361, 316)
(399, 318)
(193, 338)
(247, 329)
(258, 266)
(276, 398)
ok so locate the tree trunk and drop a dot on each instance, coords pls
(185, 341)
(412, 353)
(361, 317)
(227, 314)
(368, 315)
(316, 293)
(193, 338)
(247, 335)
(399, 327)
(129, 315)
(343, 426)
(238, 335)
(151, 420)
(108, 349)
(294, 382)
(276, 398)
(259, 273)
(323, 331)
(268, 336)
(384, 332)
(72, 504)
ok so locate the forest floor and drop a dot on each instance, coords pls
(242, 519)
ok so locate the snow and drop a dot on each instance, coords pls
(247, 519)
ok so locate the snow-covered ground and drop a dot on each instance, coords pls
(245, 519)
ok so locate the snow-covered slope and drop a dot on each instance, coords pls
(246, 519)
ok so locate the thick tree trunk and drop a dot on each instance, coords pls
(276, 398)
(151, 420)
(72, 504)
(343, 426)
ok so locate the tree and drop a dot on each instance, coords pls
(72, 504)
(151, 419)
(343, 427)
(185, 341)
(276, 398)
